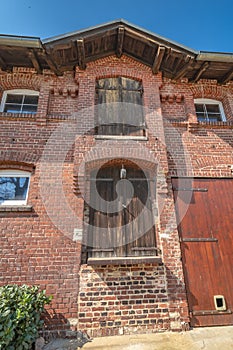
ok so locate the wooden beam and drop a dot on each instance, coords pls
(35, 62)
(120, 41)
(51, 64)
(158, 59)
(3, 64)
(81, 54)
(168, 54)
(227, 77)
(74, 50)
(199, 73)
(178, 62)
(183, 70)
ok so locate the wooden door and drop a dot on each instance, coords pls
(126, 227)
(204, 209)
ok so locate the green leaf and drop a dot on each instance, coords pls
(20, 311)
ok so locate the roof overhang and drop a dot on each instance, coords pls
(64, 52)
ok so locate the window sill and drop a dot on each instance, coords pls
(15, 208)
(121, 137)
(18, 115)
(125, 260)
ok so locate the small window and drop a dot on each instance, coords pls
(120, 109)
(14, 185)
(208, 110)
(20, 101)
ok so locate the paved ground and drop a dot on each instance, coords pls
(208, 338)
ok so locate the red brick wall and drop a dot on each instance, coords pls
(104, 300)
(123, 299)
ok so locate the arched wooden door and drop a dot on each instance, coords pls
(129, 226)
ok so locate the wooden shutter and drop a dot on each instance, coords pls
(131, 92)
(119, 119)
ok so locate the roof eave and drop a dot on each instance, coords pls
(214, 56)
(20, 41)
(114, 25)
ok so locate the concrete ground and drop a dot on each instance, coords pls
(207, 338)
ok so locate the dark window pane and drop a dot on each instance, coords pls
(199, 107)
(31, 100)
(201, 118)
(13, 188)
(11, 108)
(212, 109)
(29, 109)
(214, 118)
(11, 98)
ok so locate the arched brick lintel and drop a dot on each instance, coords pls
(20, 81)
(213, 163)
(17, 160)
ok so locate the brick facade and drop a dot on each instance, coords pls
(38, 246)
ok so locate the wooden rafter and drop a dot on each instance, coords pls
(120, 41)
(158, 59)
(227, 77)
(74, 49)
(62, 53)
(33, 57)
(178, 62)
(3, 64)
(51, 64)
(199, 73)
(183, 70)
(81, 54)
(168, 54)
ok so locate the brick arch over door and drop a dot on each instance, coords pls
(98, 156)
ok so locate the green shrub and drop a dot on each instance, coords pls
(20, 311)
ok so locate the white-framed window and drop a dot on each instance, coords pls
(19, 101)
(209, 110)
(14, 186)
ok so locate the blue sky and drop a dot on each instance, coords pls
(201, 24)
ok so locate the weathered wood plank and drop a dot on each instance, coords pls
(205, 230)
(125, 260)
(120, 41)
(199, 73)
(34, 59)
(158, 59)
(183, 70)
(3, 64)
(81, 54)
(227, 77)
(51, 63)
